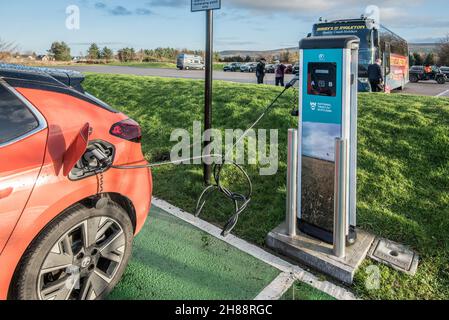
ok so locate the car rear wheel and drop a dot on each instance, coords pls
(80, 256)
(413, 79)
(441, 80)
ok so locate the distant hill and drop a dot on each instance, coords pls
(414, 47)
(254, 53)
(423, 47)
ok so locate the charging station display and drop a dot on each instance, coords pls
(322, 79)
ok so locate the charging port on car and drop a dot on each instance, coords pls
(98, 158)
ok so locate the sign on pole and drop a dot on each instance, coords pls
(204, 5)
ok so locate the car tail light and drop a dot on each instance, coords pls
(128, 130)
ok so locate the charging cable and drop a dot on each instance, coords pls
(241, 201)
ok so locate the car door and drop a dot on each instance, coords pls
(23, 137)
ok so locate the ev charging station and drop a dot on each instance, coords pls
(320, 229)
(327, 157)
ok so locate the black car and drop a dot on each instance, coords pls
(419, 73)
(270, 68)
(232, 67)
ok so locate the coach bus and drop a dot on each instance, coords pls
(375, 42)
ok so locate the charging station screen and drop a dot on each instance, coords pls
(322, 79)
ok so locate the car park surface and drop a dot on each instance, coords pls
(426, 88)
(242, 77)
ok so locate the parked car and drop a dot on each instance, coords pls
(445, 70)
(190, 62)
(66, 216)
(232, 67)
(249, 67)
(418, 73)
(270, 68)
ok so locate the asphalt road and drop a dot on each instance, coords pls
(426, 88)
(174, 73)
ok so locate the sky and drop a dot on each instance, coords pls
(239, 25)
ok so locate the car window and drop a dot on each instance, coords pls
(16, 119)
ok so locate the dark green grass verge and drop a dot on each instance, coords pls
(403, 166)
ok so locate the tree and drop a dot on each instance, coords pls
(107, 54)
(61, 51)
(127, 54)
(6, 49)
(94, 52)
(418, 59)
(285, 56)
(411, 60)
(443, 51)
(430, 59)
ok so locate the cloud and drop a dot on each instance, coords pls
(313, 6)
(143, 12)
(122, 10)
(100, 5)
(168, 3)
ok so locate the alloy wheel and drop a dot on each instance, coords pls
(83, 262)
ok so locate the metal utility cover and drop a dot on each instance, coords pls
(394, 255)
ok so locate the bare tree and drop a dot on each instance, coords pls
(6, 49)
(443, 51)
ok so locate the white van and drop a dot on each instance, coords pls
(190, 62)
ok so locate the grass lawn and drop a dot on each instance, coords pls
(403, 166)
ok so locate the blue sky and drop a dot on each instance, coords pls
(241, 24)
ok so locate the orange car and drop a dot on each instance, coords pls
(67, 218)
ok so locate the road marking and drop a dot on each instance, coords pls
(442, 93)
(286, 267)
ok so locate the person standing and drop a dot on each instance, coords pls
(375, 76)
(280, 74)
(260, 71)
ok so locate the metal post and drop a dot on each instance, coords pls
(341, 154)
(208, 91)
(292, 179)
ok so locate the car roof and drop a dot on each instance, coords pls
(55, 80)
(49, 76)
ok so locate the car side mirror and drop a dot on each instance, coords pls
(76, 149)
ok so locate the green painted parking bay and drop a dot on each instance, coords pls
(173, 260)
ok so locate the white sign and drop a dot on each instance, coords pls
(203, 5)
